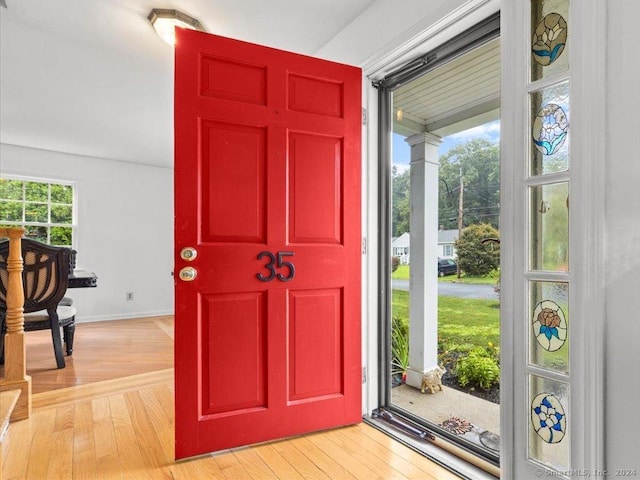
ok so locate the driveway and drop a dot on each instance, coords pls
(463, 290)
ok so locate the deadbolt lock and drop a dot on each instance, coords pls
(188, 274)
(188, 253)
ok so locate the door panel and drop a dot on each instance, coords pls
(315, 337)
(313, 95)
(246, 221)
(223, 317)
(268, 333)
(224, 78)
(315, 170)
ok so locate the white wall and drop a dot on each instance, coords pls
(622, 246)
(125, 229)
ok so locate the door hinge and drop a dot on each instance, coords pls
(364, 375)
(364, 245)
(364, 116)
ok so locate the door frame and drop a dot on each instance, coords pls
(588, 99)
(422, 37)
(425, 36)
(485, 30)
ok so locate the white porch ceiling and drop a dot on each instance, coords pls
(459, 95)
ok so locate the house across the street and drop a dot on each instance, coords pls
(400, 246)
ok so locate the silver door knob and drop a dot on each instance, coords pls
(188, 274)
(188, 253)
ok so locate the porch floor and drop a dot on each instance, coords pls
(470, 417)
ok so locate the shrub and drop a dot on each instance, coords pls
(474, 257)
(399, 346)
(490, 351)
(395, 263)
(478, 370)
(493, 274)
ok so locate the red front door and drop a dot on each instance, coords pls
(267, 194)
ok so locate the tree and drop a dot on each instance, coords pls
(400, 202)
(475, 257)
(479, 161)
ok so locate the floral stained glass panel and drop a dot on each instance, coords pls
(550, 129)
(549, 227)
(549, 330)
(550, 421)
(549, 38)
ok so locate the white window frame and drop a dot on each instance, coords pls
(587, 27)
(48, 224)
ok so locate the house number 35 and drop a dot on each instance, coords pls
(276, 262)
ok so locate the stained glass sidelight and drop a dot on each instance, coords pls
(549, 244)
(550, 422)
(548, 418)
(549, 38)
(548, 337)
(549, 332)
(549, 325)
(550, 129)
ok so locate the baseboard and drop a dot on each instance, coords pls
(122, 316)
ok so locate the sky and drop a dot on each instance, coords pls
(489, 131)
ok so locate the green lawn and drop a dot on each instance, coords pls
(402, 273)
(461, 321)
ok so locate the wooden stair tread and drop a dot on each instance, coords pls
(8, 400)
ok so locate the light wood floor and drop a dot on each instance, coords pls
(102, 351)
(122, 427)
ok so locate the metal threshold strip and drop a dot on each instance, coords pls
(401, 424)
(426, 436)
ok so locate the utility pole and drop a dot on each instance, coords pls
(460, 210)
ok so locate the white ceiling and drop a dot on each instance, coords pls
(91, 77)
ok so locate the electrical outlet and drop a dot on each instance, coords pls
(129, 296)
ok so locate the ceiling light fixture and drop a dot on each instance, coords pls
(165, 22)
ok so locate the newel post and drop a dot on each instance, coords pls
(14, 342)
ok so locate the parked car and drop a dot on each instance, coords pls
(446, 266)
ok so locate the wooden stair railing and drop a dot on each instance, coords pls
(15, 366)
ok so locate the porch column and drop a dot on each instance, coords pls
(423, 280)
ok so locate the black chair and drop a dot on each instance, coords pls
(45, 279)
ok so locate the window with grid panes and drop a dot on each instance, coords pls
(45, 208)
